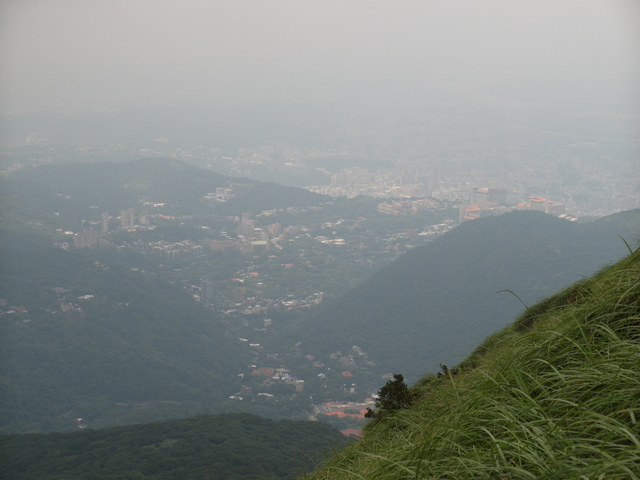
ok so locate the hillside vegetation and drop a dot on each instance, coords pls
(555, 395)
(63, 195)
(82, 339)
(437, 302)
(225, 447)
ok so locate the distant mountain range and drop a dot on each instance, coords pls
(437, 302)
(55, 194)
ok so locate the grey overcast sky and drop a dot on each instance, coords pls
(71, 55)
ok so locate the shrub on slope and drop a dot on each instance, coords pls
(559, 400)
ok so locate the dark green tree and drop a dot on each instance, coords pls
(393, 396)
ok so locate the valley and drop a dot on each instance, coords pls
(319, 240)
(300, 293)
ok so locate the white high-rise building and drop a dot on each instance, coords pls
(127, 218)
(105, 222)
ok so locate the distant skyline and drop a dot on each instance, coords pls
(78, 55)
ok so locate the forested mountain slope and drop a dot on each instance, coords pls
(81, 339)
(225, 447)
(437, 302)
(70, 192)
(555, 395)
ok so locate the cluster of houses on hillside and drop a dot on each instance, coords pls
(268, 376)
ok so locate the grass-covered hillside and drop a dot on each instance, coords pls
(554, 396)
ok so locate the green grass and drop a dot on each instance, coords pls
(554, 396)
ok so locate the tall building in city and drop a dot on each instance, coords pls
(127, 218)
(489, 197)
(105, 222)
(247, 226)
(86, 239)
(274, 229)
(207, 292)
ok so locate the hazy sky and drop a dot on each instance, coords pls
(69, 55)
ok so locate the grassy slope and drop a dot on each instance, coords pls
(555, 395)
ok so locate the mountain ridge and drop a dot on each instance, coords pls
(554, 395)
(421, 309)
(69, 193)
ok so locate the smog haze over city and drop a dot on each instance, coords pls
(73, 55)
(496, 92)
(273, 206)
